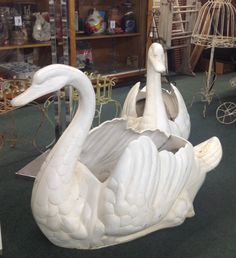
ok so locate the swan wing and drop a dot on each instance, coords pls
(144, 186)
(129, 107)
(106, 143)
(182, 120)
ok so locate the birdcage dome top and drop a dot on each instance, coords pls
(215, 25)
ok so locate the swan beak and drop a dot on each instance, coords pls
(161, 68)
(39, 89)
(158, 65)
(26, 97)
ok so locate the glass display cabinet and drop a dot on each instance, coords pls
(110, 36)
(104, 36)
(17, 22)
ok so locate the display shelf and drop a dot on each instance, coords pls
(127, 74)
(31, 50)
(122, 55)
(27, 45)
(43, 5)
(106, 36)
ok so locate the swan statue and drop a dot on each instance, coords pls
(133, 108)
(112, 184)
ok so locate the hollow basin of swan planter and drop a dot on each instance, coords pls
(112, 184)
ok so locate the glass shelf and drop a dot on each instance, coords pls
(119, 54)
(27, 45)
(105, 36)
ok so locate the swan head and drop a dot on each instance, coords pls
(156, 57)
(47, 80)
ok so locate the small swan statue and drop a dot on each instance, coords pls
(177, 113)
(112, 184)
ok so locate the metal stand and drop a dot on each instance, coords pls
(0, 241)
(215, 27)
(32, 168)
(207, 91)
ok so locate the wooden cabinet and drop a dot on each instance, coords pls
(10, 51)
(122, 54)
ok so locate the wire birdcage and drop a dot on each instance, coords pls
(214, 27)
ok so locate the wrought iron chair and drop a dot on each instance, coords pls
(103, 86)
(10, 88)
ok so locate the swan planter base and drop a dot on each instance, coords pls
(112, 184)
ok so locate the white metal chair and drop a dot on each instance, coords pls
(103, 86)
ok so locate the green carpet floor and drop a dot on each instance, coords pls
(211, 233)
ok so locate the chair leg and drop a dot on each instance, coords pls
(97, 114)
(100, 108)
(100, 114)
(118, 108)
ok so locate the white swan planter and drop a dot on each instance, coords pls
(177, 113)
(112, 184)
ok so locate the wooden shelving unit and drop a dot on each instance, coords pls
(28, 45)
(111, 53)
(38, 47)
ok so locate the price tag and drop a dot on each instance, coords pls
(18, 20)
(112, 24)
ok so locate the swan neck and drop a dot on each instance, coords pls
(70, 143)
(155, 111)
(60, 170)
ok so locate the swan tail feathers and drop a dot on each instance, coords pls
(209, 154)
